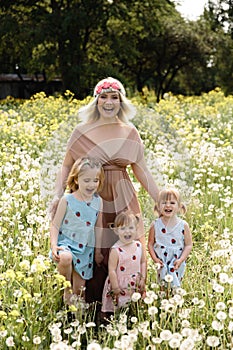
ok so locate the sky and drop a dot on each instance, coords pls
(191, 9)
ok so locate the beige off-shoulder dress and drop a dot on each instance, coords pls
(117, 146)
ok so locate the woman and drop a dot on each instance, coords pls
(108, 135)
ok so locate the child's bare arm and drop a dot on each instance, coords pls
(112, 267)
(98, 237)
(143, 272)
(54, 227)
(188, 244)
(151, 242)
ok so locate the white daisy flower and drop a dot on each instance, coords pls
(212, 341)
(166, 335)
(136, 296)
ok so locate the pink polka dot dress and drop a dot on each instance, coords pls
(168, 248)
(128, 275)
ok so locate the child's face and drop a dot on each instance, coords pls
(169, 207)
(88, 181)
(127, 233)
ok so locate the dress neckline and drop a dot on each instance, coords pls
(88, 203)
(170, 229)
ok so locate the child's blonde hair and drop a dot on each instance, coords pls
(167, 194)
(124, 219)
(79, 167)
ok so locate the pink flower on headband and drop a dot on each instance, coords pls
(107, 86)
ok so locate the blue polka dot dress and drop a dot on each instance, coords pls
(77, 233)
(168, 248)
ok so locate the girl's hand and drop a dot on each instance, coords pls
(115, 295)
(158, 261)
(177, 264)
(55, 254)
(142, 288)
(98, 257)
(143, 293)
(117, 292)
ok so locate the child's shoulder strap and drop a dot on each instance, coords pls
(184, 222)
(156, 222)
(68, 196)
(96, 202)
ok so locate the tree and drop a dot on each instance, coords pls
(220, 16)
(199, 75)
(161, 44)
(143, 43)
(52, 33)
(183, 46)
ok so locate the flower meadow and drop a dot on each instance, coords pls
(188, 144)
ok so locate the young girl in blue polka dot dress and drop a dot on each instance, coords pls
(170, 239)
(73, 235)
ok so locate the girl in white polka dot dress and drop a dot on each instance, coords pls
(170, 239)
(72, 233)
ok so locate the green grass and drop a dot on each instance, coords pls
(188, 143)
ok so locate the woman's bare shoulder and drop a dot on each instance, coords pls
(83, 127)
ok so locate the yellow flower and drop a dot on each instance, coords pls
(29, 280)
(10, 274)
(25, 265)
(3, 314)
(59, 278)
(14, 313)
(72, 308)
(20, 276)
(27, 296)
(38, 266)
(37, 295)
(67, 284)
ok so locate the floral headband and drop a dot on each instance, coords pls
(106, 86)
(92, 162)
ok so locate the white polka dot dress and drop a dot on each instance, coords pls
(168, 248)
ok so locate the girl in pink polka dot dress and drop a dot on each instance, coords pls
(126, 266)
(72, 232)
(170, 239)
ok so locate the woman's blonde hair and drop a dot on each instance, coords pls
(167, 194)
(90, 113)
(79, 167)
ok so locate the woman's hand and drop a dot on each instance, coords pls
(98, 256)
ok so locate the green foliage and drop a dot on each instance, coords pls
(146, 44)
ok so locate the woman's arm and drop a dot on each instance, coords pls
(145, 178)
(55, 226)
(62, 175)
(60, 183)
(188, 244)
